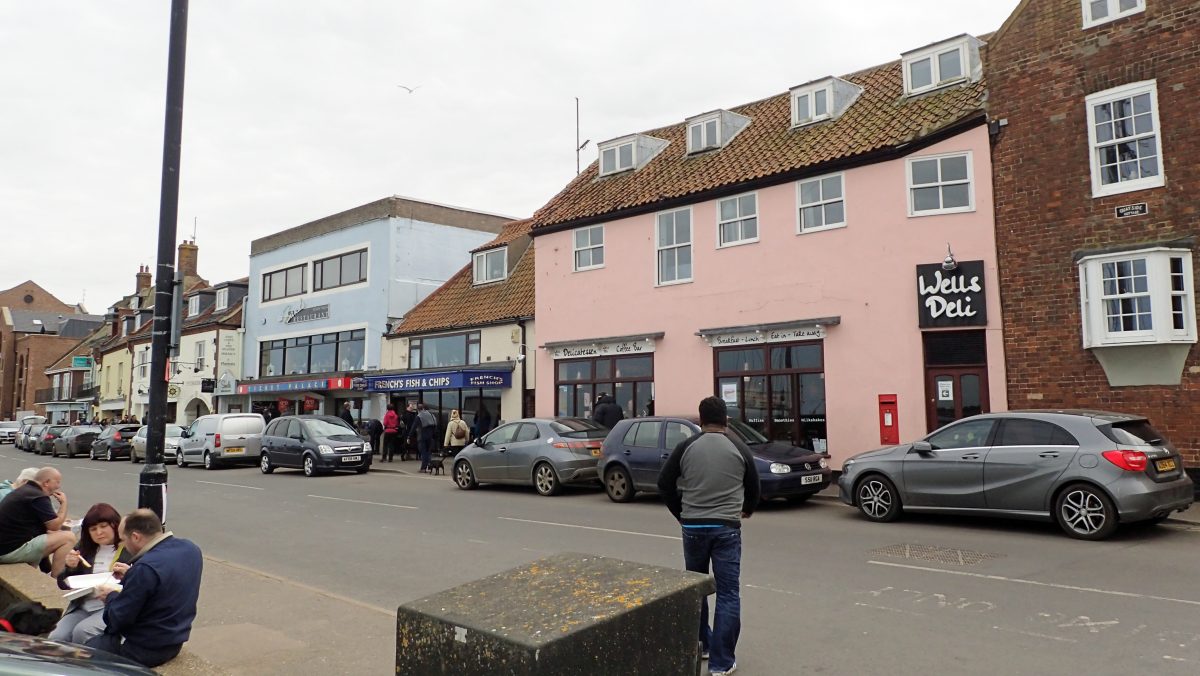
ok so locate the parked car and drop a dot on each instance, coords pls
(544, 452)
(116, 441)
(313, 443)
(76, 439)
(29, 442)
(21, 436)
(22, 655)
(222, 439)
(1087, 471)
(170, 444)
(8, 431)
(637, 448)
(45, 441)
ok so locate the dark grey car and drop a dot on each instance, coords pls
(316, 444)
(544, 452)
(1087, 471)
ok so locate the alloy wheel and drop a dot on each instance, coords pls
(617, 485)
(264, 464)
(544, 479)
(108, 455)
(463, 476)
(877, 499)
(208, 461)
(310, 469)
(1083, 512)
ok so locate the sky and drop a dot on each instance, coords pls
(294, 111)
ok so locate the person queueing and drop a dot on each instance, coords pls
(426, 431)
(99, 545)
(710, 484)
(149, 620)
(391, 433)
(457, 433)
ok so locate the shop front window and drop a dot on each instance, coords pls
(460, 349)
(630, 380)
(778, 390)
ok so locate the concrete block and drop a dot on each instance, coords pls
(567, 614)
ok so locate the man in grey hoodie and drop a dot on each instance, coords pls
(710, 484)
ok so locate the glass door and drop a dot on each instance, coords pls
(954, 394)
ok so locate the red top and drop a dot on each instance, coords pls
(391, 422)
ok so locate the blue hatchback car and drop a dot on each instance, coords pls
(637, 448)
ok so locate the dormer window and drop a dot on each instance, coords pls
(628, 152)
(133, 303)
(193, 306)
(822, 100)
(222, 299)
(713, 130)
(941, 64)
(491, 266)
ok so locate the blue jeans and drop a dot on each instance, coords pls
(425, 450)
(722, 546)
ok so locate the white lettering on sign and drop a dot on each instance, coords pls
(603, 349)
(768, 336)
(942, 285)
(417, 383)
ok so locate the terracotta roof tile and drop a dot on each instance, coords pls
(459, 304)
(510, 232)
(881, 118)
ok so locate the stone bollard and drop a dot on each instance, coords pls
(567, 614)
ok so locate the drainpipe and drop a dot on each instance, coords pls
(521, 323)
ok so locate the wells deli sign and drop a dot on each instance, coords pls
(951, 297)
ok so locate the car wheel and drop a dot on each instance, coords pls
(264, 464)
(310, 466)
(545, 480)
(1085, 512)
(362, 470)
(464, 476)
(92, 453)
(179, 461)
(108, 455)
(877, 498)
(208, 461)
(618, 485)
(133, 456)
(53, 452)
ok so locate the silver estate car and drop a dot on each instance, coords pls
(545, 452)
(1087, 471)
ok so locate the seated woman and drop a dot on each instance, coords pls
(99, 545)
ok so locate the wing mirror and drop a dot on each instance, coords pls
(922, 447)
(185, 434)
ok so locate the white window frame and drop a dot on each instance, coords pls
(193, 306)
(1093, 309)
(1114, 12)
(1128, 91)
(198, 360)
(970, 181)
(706, 143)
(133, 302)
(801, 206)
(591, 248)
(143, 363)
(222, 301)
(658, 249)
(810, 114)
(479, 265)
(740, 219)
(933, 53)
(615, 148)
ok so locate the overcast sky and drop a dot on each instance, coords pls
(293, 112)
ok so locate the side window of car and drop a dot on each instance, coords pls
(970, 434)
(1026, 432)
(630, 434)
(502, 435)
(527, 432)
(676, 433)
(647, 435)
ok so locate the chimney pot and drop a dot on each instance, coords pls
(143, 278)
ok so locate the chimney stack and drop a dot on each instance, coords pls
(143, 278)
(186, 260)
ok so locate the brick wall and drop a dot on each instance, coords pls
(1041, 66)
(25, 296)
(39, 352)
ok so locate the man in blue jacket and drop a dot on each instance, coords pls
(149, 620)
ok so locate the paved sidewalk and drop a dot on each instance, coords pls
(254, 623)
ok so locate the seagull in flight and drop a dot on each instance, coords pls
(409, 89)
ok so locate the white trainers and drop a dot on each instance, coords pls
(728, 671)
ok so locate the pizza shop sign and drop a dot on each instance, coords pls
(951, 297)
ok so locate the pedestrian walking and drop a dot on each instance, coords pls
(408, 445)
(391, 433)
(608, 412)
(710, 484)
(457, 433)
(426, 430)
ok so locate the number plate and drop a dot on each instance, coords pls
(234, 450)
(1165, 465)
(352, 458)
(811, 479)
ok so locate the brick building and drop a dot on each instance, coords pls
(1094, 113)
(27, 296)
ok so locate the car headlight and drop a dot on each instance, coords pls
(823, 463)
(780, 468)
(325, 449)
(367, 446)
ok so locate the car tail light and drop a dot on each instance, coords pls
(591, 446)
(1130, 461)
(217, 440)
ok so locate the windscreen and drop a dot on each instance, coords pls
(1133, 433)
(174, 430)
(326, 428)
(746, 432)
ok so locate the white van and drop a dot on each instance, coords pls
(222, 439)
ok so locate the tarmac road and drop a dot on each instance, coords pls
(823, 591)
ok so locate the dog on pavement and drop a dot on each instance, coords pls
(29, 617)
(437, 464)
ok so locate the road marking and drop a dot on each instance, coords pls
(478, 542)
(90, 469)
(772, 589)
(218, 483)
(301, 585)
(606, 530)
(130, 474)
(363, 502)
(1036, 583)
(891, 610)
(1036, 635)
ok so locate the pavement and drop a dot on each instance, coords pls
(303, 575)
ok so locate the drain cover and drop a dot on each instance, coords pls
(947, 555)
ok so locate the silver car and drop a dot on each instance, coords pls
(1087, 471)
(170, 445)
(544, 452)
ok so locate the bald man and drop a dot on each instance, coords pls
(30, 529)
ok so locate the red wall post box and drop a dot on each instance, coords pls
(889, 420)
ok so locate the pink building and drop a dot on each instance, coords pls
(824, 260)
